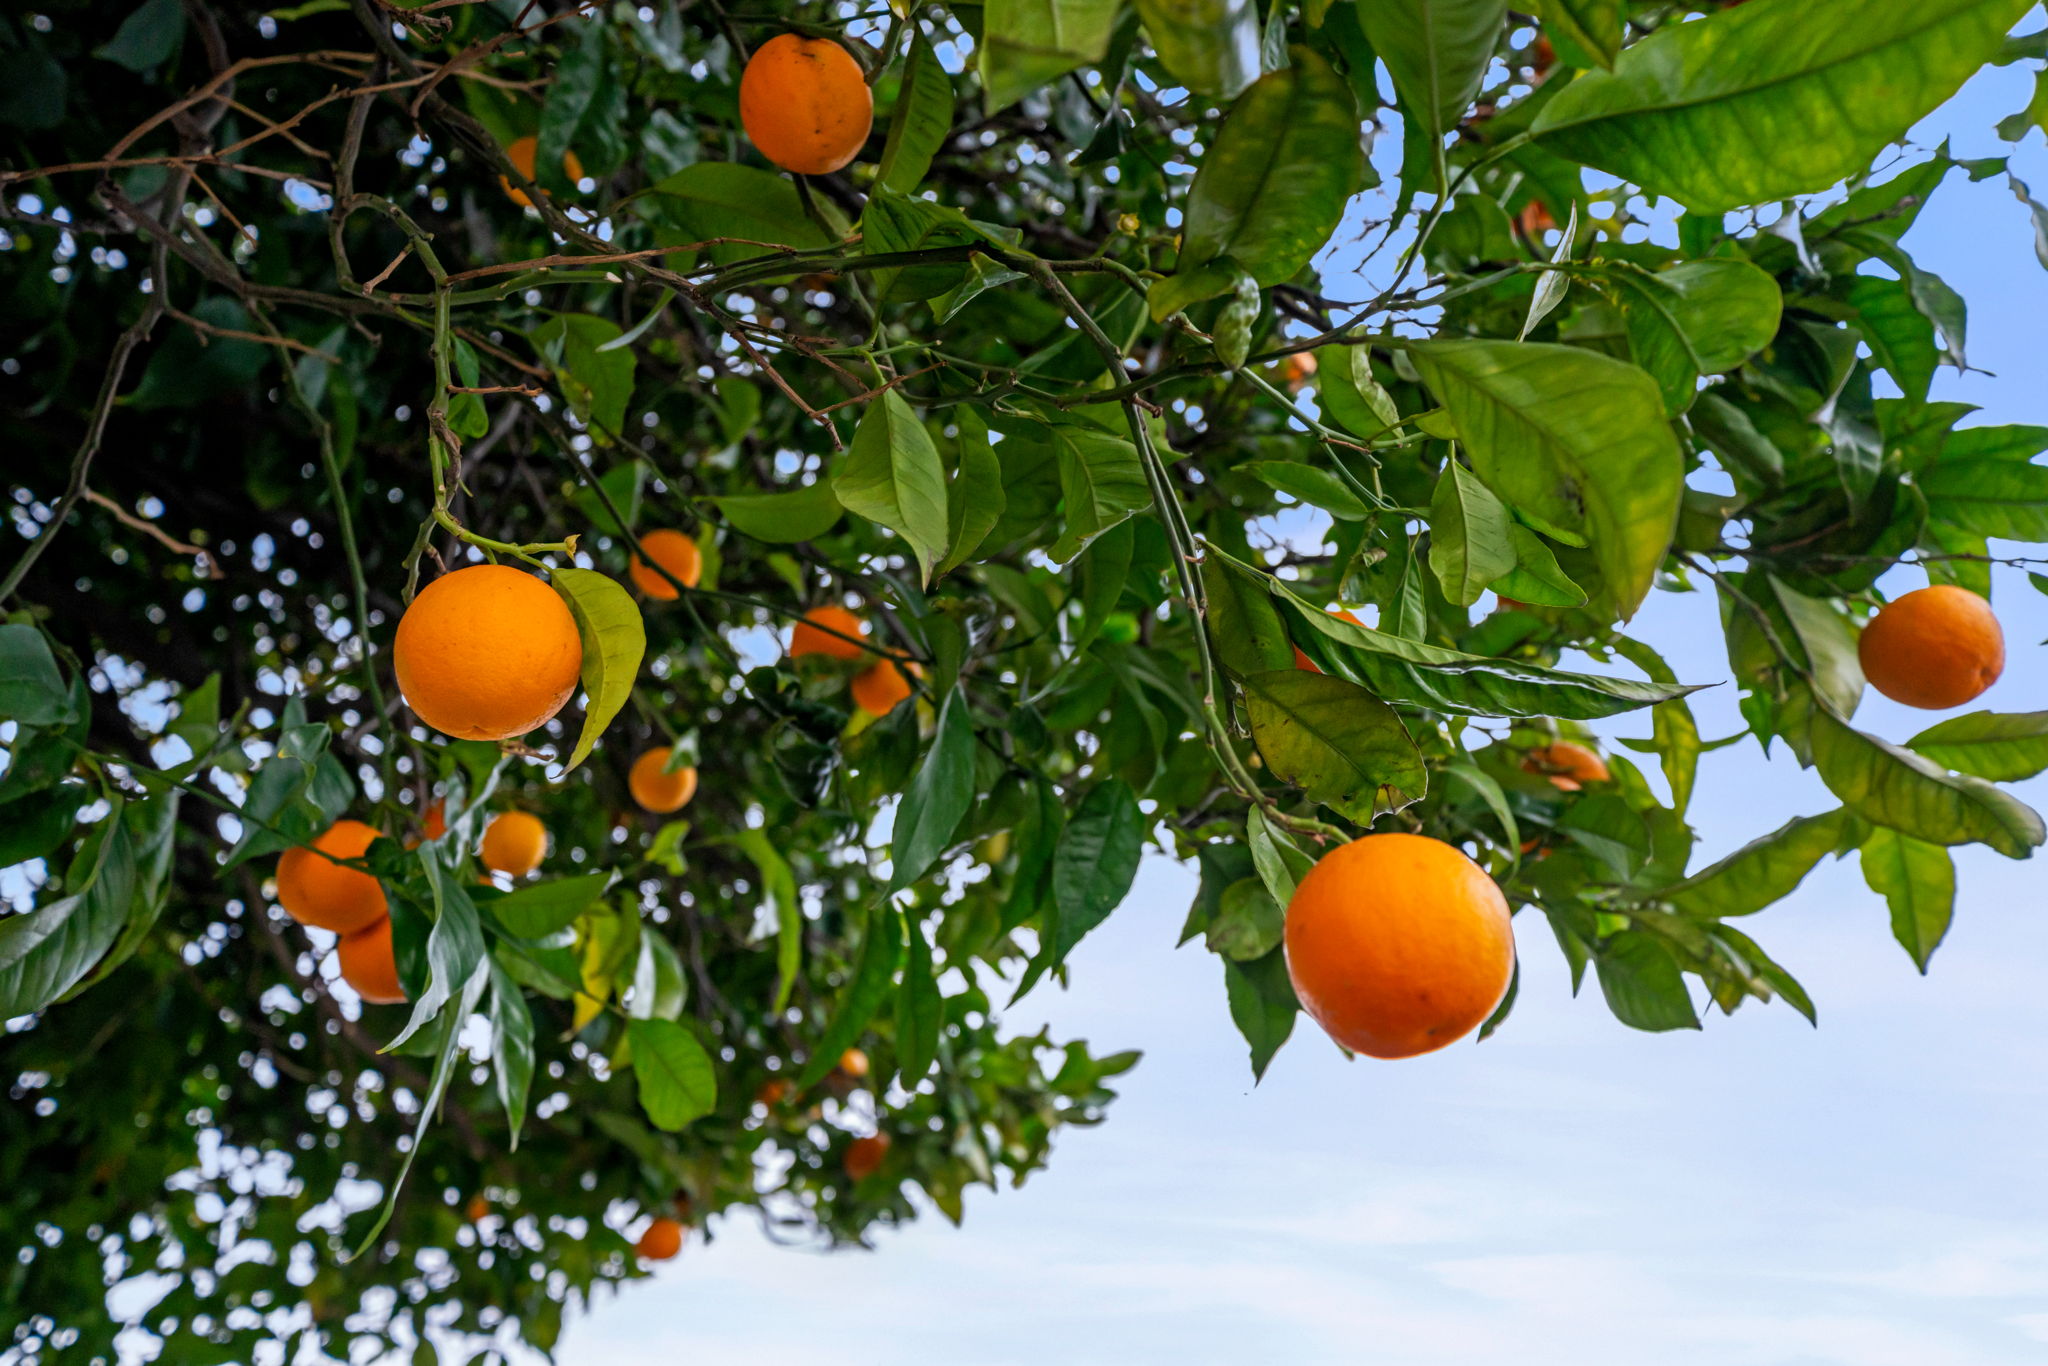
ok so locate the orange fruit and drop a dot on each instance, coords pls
(1568, 766)
(524, 153)
(662, 1240)
(658, 791)
(807, 639)
(853, 1062)
(368, 965)
(772, 1093)
(877, 690)
(487, 653)
(864, 1156)
(1934, 648)
(514, 843)
(1296, 369)
(1398, 944)
(479, 1209)
(1535, 219)
(805, 103)
(319, 892)
(1302, 661)
(434, 823)
(673, 551)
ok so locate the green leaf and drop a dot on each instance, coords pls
(1273, 184)
(974, 499)
(540, 910)
(1244, 628)
(1695, 318)
(873, 976)
(1828, 642)
(893, 477)
(1337, 742)
(1986, 481)
(1248, 922)
(1105, 570)
(1028, 43)
(938, 797)
(1895, 787)
(1643, 985)
(1276, 859)
(585, 111)
(1901, 338)
(45, 952)
(455, 947)
(659, 991)
(983, 275)
(614, 640)
(778, 883)
(511, 1048)
(1101, 481)
(920, 1011)
(1312, 485)
(1552, 285)
(1209, 46)
(32, 691)
(1349, 394)
(802, 514)
(1191, 285)
(1570, 439)
(2004, 747)
(597, 383)
(148, 37)
(674, 1074)
(1469, 541)
(1536, 578)
(1262, 1005)
(1093, 866)
(1918, 881)
(1437, 51)
(1759, 102)
(1597, 26)
(726, 199)
(921, 121)
(1763, 872)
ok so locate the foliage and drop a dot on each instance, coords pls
(1030, 385)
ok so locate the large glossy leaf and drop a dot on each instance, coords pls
(922, 118)
(1026, 43)
(1101, 483)
(1772, 98)
(1572, 440)
(1986, 481)
(1262, 1005)
(1244, 628)
(938, 797)
(1918, 881)
(614, 641)
(1595, 25)
(1272, 186)
(1695, 318)
(1437, 52)
(1764, 871)
(455, 947)
(1895, 787)
(540, 910)
(893, 478)
(1093, 865)
(782, 518)
(1210, 46)
(674, 1074)
(45, 952)
(974, 499)
(1340, 744)
(1469, 535)
(725, 199)
(1643, 985)
(2004, 747)
(598, 382)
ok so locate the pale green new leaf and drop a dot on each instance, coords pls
(1469, 541)
(1918, 881)
(1999, 746)
(614, 640)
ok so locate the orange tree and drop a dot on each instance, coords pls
(920, 440)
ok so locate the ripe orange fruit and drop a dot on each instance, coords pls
(1302, 661)
(1568, 766)
(853, 1062)
(487, 653)
(523, 153)
(673, 551)
(1934, 648)
(805, 103)
(662, 1240)
(1534, 220)
(434, 823)
(1296, 369)
(1398, 944)
(772, 1093)
(514, 843)
(368, 965)
(479, 1209)
(807, 639)
(657, 791)
(877, 690)
(319, 892)
(864, 1156)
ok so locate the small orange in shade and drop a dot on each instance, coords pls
(772, 1093)
(656, 790)
(1398, 944)
(524, 153)
(368, 965)
(1302, 661)
(487, 653)
(314, 890)
(673, 551)
(1935, 648)
(662, 1240)
(864, 1156)
(1535, 219)
(514, 843)
(1568, 766)
(805, 103)
(807, 639)
(479, 1209)
(435, 823)
(853, 1062)
(1296, 369)
(878, 689)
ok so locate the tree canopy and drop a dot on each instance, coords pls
(1148, 544)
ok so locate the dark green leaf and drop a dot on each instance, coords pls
(455, 947)
(148, 37)
(1643, 985)
(1092, 867)
(802, 514)
(1262, 1005)
(1244, 628)
(1247, 923)
(1437, 52)
(597, 383)
(1469, 542)
(975, 498)
(922, 119)
(1594, 25)
(511, 1048)
(919, 1010)
(893, 477)
(32, 691)
(938, 797)
(540, 910)
(1337, 742)
(1762, 872)
(873, 976)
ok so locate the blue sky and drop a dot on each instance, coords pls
(1757, 1194)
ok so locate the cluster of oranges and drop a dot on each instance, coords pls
(832, 632)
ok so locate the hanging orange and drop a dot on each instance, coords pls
(805, 103)
(1934, 648)
(807, 639)
(878, 689)
(524, 154)
(368, 964)
(1302, 661)
(514, 843)
(662, 1240)
(864, 1156)
(487, 653)
(659, 791)
(673, 551)
(315, 890)
(1569, 766)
